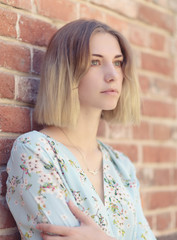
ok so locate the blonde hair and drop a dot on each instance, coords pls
(66, 61)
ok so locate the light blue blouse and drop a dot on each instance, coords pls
(44, 175)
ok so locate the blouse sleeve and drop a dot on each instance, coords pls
(144, 231)
(36, 191)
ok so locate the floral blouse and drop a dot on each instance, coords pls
(44, 175)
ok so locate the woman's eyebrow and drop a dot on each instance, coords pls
(101, 56)
(119, 56)
(97, 55)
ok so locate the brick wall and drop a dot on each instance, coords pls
(151, 27)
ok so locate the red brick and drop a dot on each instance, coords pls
(161, 177)
(163, 3)
(163, 221)
(130, 151)
(157, 64)
(59, 9)
(172, 4)
(154, 108)
(145, 83)
(38, 56)
(161, 87)
(152, 154)
(27, 89)
(175, 176)
(7, 86)
(173, 90)
(154, 177)
(5, 149)
(24, 4)
(119, 6)
(15, 57)
(119, 131)
(91, 12)
(35, 125)
(143, 131)
(157, 41)
(145, 175)
(150, 221)
(15, 236)
(118, 24)
(3, 178)
(35, 31)
(138, 36)
(14, 119)
(6, 219)
(161, 132)
(162, 199)
(157, 18)
(7, 23)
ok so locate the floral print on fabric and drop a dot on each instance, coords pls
(44, 175)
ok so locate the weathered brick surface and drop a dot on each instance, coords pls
(5, 148)
(155, 177)
(168, 237)
(159, 154)
(59, 9)
(160, 199)
(8, 23)
(26, 27)
(15, 57)
(27, 89)
(37, 60)
(163, 221)
(130, 150)
(14, 119)
(23, 4)
(130, 11)
(3, 178)
(6, 219)
(157, 64)
(155, 17)
(157, 41)
(35, 31)
(143, 131)
(161, 109)
(7, 86)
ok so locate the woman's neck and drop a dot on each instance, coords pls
(83, 135)
(85, 132)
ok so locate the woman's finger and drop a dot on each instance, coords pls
(54, 229)
(48, 237)
(82, 217)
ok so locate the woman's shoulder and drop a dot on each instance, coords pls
(31, 138)
(30, 141)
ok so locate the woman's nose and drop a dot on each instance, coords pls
(111, 74)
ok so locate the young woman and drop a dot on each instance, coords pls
(64, 183)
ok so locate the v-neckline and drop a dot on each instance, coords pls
(79, 166)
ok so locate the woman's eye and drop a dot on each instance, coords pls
(95, 62)
(118, 63)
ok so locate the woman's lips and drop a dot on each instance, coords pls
(111, 91)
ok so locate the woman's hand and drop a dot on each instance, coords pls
(88, 229)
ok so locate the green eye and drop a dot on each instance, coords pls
(118, 63)
(95, 62)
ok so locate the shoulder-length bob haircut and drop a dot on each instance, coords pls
(66, 61)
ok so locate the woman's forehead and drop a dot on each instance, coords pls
(103, 42)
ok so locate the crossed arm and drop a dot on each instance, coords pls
(88, 229)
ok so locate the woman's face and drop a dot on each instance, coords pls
(101, 86)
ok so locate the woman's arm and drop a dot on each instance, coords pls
(143, 228)
(36, 192)
(88, 229)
